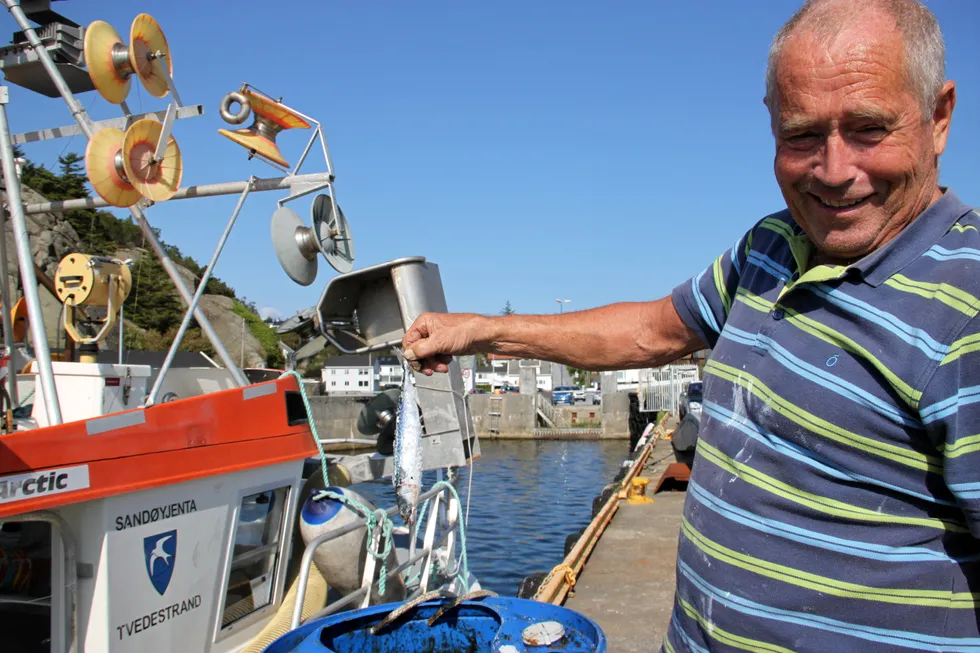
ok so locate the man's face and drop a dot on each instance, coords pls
(855, 159)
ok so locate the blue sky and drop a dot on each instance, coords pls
(599, 152)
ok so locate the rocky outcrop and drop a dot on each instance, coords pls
(52, 238)
(228, 325)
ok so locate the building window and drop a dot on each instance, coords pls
(255, 555)
(346, 382)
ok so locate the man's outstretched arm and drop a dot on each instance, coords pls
(614, 337)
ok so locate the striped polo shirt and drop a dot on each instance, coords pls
(834, 503)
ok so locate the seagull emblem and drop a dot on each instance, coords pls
(161, 547)
(159, 554)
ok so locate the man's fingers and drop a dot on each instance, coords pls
(439, 363)
(421, 350)
(427, 341)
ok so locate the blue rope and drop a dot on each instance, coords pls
(379, 516)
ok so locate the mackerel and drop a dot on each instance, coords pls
(407, 476)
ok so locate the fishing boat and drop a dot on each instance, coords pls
(148, 508)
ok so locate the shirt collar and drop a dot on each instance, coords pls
(913, 241)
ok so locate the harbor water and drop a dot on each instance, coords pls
(527, 496)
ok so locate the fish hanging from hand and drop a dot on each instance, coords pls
(407, 476)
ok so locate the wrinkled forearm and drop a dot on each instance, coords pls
(613, 337)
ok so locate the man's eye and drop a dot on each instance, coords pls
(872, 132)
(802, 139)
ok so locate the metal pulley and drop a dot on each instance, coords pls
(377, 417)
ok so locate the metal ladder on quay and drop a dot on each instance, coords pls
(496, 410)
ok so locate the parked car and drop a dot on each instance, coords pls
(691, 400)
(563, 394)
(578, 393)
(596, 397)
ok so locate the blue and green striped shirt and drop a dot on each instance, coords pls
(834, 503)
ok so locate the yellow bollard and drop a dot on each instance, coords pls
(637, 491)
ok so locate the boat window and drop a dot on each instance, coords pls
(25, 586)
(255, 555)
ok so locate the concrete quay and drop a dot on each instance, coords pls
(627, 585)
(509, 416)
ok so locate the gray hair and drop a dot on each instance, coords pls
(925, 52)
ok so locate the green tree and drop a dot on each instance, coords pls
(315, 364)
(265, 334)
(579, 377)
(507, 310)
(152, 302)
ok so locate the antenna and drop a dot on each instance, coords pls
(105, 169)
(271, 117)
(155, 178)
(111, 64)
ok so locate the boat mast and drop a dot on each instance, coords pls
(26, 262)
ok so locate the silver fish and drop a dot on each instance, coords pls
(407, 477)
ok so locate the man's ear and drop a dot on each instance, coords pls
(942, 116)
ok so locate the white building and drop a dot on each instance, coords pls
(628, 379)
(507, 371)
(485, 376)
(351, 375)
(361, 375)
(390, 371)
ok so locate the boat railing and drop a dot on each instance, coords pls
(430, 544)
(553, 417)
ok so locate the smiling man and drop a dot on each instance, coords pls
(834, 503)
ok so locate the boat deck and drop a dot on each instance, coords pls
(627, 587)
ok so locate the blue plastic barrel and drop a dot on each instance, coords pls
(487, 625)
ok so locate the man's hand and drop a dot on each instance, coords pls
(434, 338)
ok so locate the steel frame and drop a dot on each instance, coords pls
(297, 184)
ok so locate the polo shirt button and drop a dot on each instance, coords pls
(778, 314)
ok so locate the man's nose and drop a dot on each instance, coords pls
(836, 165)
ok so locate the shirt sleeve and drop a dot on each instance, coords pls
(950, 410)
(703, 302)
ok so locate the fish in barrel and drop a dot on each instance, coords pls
(407, 477)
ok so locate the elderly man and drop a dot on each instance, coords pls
(835, 498)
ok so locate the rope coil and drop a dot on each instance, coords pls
(564, 569)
